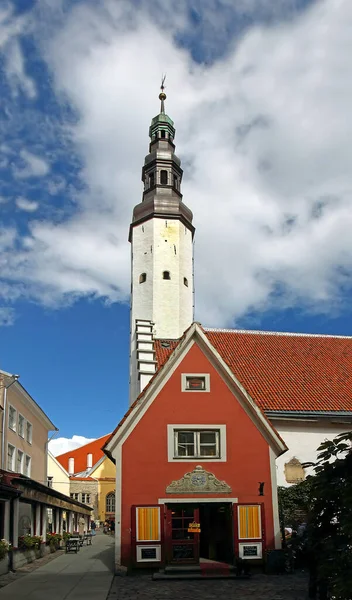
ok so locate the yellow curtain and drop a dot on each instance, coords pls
(249, 522)
(148, 524)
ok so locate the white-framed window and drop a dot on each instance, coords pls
(196, 442)
(12, 418)
(29, 432)
(11, 453)
(21, 422)
(148, 553)
(195, 382)
(110, 502)
(20, 460)
(27, 465)
(85, 498)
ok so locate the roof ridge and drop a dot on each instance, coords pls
(286, 333)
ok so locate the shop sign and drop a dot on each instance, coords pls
(194, 527)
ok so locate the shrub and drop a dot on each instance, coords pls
(5, 546)
(53, 538)
(29, 541)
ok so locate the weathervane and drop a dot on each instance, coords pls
(162, 95)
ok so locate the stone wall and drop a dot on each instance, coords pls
(86, 486)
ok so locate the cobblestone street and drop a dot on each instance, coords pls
(259, 587)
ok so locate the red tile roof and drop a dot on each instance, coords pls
(80, 454)
(284, 372)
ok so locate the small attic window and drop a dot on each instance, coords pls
(195, 382)
(166, 275)
(162, 133)
(185, 281)
(142, 277)
(163, 177)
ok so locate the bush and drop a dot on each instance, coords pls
(5, 547)
(26, 542)
(53, 539)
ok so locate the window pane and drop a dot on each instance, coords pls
(195, 383)
(12, 418)
(185, 437)
(10, 457)
(29, 432)
(207, 437)
(19, 461)
(208, 450)
(21, 425)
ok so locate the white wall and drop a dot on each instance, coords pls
(303, 439)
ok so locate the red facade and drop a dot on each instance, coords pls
(147, 469)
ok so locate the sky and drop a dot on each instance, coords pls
(260, 93)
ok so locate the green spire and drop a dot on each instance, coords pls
(162, 121)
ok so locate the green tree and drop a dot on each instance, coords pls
(329, 531)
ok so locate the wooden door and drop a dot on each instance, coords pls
(182, 544)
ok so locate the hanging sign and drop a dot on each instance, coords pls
(194, 527)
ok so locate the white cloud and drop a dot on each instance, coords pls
(26, 205)
(61, 445)
(11, 27)
(264, 136)
(34, 166)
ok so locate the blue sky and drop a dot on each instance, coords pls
(260, 94)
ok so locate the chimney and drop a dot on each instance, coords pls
(71, 466)
(89, 461)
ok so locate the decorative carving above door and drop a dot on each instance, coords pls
(198, 481)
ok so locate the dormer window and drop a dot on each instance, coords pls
(163, 177)
(166, 275)
(142, 277)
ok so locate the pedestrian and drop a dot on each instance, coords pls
(112, 526)
(93, 527)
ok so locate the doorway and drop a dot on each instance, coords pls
(215, 540)
(216, 537)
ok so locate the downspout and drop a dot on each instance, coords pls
(6, 387)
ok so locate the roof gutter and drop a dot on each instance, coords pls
(309, 414)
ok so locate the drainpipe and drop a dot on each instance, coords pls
(6, 387)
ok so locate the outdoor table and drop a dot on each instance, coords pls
(72, 544)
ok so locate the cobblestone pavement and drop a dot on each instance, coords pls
(258, 587)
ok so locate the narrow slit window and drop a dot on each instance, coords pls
(185, 281)
(162, 134)
(163, 177)
(166, 275)
(151, 180)
(142, 277)
(175, 182)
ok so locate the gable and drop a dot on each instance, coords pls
(80, 454)
(284, 372)
(104, 468)
(219, 406)
(194, 335)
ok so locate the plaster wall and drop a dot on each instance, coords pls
(61, 480)
(160, 245)
(105, 473)
(303, 439)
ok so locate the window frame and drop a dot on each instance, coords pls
(22, 461)
(27, 467)
(13, 458)
(31, 430)
(12, 408)
(186, 376)
(111, 496)
(196, 443)
(222, 443)
(22, 435)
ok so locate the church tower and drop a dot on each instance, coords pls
(161, 236)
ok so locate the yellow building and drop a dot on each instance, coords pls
(92, 477)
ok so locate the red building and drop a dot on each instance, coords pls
(196, 458)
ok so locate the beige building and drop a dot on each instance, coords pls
(24, 431)
(28, 502)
